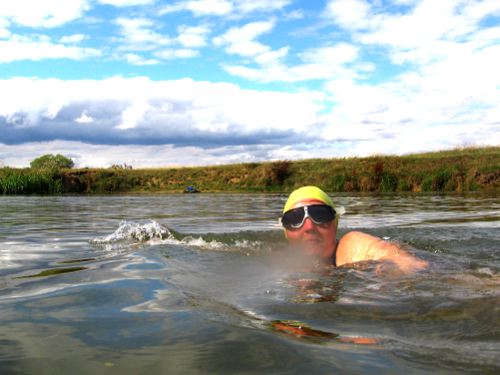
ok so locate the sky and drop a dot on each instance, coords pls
(153, 83)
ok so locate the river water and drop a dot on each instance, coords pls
(204, 284)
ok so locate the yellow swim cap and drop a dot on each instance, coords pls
(307, 192)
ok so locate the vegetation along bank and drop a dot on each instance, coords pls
(458, 170)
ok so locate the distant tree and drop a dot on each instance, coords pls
(50, 161)
(121, 166)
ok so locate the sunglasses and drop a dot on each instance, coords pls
(318, 213)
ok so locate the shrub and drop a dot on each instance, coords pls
(121, 166)
(275, 174)
(50, 161)
(378, 170)
(440, 180)
(337, 182)
(280, 171)
(388, 182)
(403, 185)
(426, 184)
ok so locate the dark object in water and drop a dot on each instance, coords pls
(299, 330)
(52, 272)
(191, 189)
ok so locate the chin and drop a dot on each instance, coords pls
(314, 251)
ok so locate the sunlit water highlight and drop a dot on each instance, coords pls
(204, 284)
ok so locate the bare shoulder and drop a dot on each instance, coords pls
(358, 246)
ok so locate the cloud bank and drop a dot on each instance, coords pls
(220, 122)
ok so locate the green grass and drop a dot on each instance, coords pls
(458, 170)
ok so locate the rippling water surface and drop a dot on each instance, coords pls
(204, 284)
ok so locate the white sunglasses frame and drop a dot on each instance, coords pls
(338, 212)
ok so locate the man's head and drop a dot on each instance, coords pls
(310, 221)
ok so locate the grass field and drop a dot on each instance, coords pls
(457, 170)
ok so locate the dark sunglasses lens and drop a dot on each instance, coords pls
(293, 217)
(321, 214)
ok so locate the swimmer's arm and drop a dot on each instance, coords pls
(359, 246)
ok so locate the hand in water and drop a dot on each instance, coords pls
(303, 331)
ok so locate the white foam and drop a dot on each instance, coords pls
(200, 242)
(485, 271)
(135, 232)
(153, 233)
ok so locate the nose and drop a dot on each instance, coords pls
(308, 225)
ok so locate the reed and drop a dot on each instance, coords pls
(30, 181)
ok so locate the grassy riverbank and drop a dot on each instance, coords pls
(467, 169)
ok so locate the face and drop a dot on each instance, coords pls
(313, 239)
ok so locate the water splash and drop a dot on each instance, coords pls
(199, 242)
(134, 232)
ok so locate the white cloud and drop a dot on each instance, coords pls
(75, 38)
(181, 53)
(271, 57)
(201, 7)
(136, 59)
(138, 34)
(87, 155)
(193, 36)
(126, 3)
(225, 7)
(244, 34)
(24, 48)
(295, 14)
(251, 74)
(350, 14)
(181, 109)
(449, 97)
(478, 10)
(246, 6)
(320, 63)
(209, 7)
(247, 48)
(325, 62)
(395, 117)
(425, 32)
(240, 41)
(84, 119)
(415, 113)
(338, 54)
(133, 114)
(46, 13)
(175, 111)
(485, 36)
(4, 31)
(429, 21)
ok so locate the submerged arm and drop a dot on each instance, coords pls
(359, 246)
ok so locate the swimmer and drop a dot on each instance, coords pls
(311, 220)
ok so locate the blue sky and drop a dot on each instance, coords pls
(164, 83)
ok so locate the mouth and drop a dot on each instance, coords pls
(313, 241)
